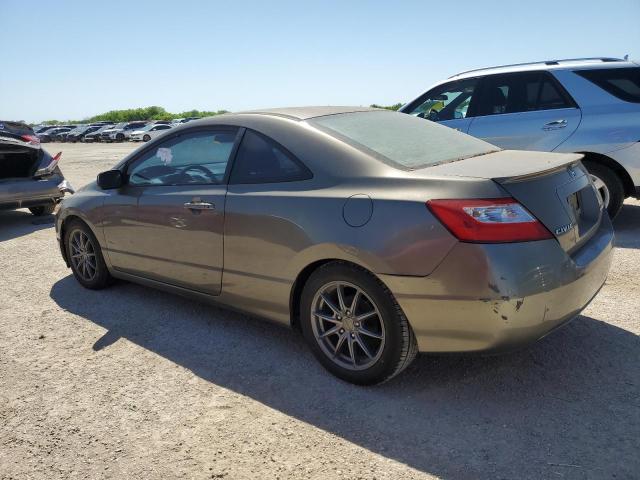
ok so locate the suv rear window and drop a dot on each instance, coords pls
(623, 83)
(405, 141)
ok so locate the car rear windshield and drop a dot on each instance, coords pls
(624, 83)
(404, 141)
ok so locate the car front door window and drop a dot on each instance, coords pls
(446, 102)
(192, 158)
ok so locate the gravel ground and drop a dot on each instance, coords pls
(133, 383)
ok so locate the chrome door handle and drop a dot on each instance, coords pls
(555, 125)
(199, 206)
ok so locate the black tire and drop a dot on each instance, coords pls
(613, 184)
(42, 210)
(120, 137)
(399, 347)
(146, 138)
(102, 277)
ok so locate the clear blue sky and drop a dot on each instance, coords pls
(72, 59)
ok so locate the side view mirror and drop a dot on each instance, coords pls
(110, 179)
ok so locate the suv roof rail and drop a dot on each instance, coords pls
(544, 62)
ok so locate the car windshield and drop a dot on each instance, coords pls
(404, 141)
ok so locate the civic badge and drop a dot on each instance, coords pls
(572, 171)
(563, 229)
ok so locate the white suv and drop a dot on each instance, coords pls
(589, 106)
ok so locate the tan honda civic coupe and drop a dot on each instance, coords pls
(375, 233)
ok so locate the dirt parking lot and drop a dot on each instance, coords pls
(134, 383)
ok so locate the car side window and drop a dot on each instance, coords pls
(519, 92)
(261, 160)
(623, 83)
(199, 157)
(446, 102)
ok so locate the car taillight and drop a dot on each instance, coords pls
(48, 170)
(496, 220)
(32, 139)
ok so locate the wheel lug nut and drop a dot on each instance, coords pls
(353, 335)
(342, 330)
(357, 324)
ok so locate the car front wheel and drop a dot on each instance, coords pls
(85, 256)
(146, 138)
(354, 326)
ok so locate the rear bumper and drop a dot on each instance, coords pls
(28, 192)
(494, 298)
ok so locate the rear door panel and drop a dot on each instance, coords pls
(524, 111)
(542, 130)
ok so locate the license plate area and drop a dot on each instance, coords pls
(585, 209)
(574, 203)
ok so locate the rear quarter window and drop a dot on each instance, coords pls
(623, 83)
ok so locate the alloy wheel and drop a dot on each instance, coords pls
(83, 255)
(347, 325)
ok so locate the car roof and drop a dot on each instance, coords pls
(565, 64)
(305, 113)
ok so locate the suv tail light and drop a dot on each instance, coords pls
(496, 220)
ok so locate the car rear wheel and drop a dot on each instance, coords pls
(85, 256)
(146, 138)
(42, 210)
(354, 326)
(609, 186)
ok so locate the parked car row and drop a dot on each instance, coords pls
(107, 131)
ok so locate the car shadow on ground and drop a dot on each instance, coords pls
(566, 407)
(627, 226)
(16, 223)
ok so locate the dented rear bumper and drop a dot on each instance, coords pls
(498, 297)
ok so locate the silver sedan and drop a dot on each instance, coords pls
(376, 234)
(148, 132)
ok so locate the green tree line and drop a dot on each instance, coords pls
(159, 113)
(393, 107)
(145, 113)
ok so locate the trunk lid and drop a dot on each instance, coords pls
(555, 188)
